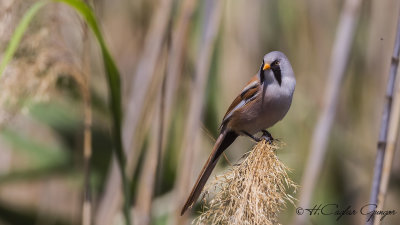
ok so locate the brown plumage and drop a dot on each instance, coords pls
(225, 139)
(248, 91)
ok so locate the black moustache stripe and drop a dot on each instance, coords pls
(277, 72)
(261, 75)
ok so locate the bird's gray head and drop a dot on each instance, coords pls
(275, 67)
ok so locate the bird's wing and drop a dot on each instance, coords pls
(248, 93)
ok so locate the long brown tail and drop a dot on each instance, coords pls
(225, 139)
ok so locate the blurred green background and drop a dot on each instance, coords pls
(42, 107)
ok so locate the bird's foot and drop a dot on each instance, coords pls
(267, 137)
(256, 139)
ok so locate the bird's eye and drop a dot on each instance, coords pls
(275, 63)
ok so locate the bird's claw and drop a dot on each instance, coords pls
(267, 137)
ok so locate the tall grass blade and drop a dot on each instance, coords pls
(111, 70)
(17, 35)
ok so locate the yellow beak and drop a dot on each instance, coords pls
(266, 66)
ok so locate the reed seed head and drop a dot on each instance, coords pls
(251, 192)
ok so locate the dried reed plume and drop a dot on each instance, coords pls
(252, 192)
(39, 61)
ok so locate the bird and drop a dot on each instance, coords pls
(263, 102)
